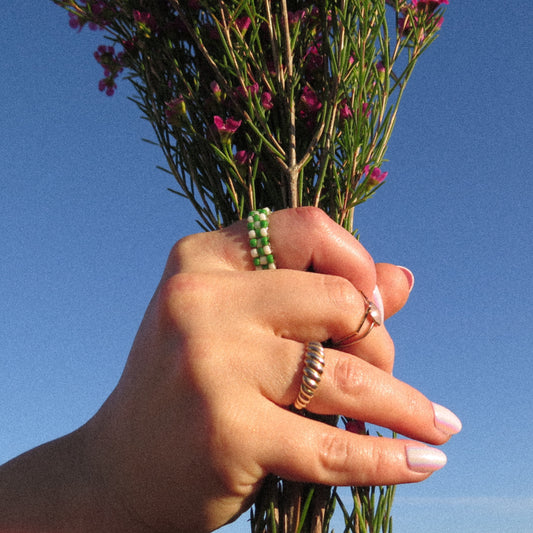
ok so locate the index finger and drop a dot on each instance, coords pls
(302, 238)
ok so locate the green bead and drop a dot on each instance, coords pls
(253, 243)
(270, 258)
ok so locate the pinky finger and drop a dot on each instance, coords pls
(312, 452)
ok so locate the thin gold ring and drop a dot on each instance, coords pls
(371, 312)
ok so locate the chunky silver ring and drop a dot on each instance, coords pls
(371, 312)
(313, 369)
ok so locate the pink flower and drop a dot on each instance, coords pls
(243, 92)
(310, 101)
(176, 111)
(226, 128)
(376, 176)
(112, 65)
(345, 110)
(107, 85)
(244, 157)
(266, 100)
(428, 5)
(243, 23)
(229, 126)
(74, 21)
(314, 59)
(217, 91)
(144, 20)
(355, 426)
(296, 16)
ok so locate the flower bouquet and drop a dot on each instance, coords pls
(258, 103)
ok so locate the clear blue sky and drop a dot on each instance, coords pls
(86, 224)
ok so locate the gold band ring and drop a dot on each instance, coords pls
(314, 366)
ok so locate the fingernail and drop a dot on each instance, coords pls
(446, 421)
(409, 275)
(378, 300)
(424, 459)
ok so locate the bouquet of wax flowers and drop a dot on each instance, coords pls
(270, 103)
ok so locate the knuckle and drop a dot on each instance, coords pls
(312, 216)
(185, 250)
(183, 296)
(335, 451)
(343, 295)
(349, 378)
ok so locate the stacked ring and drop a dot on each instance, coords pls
(373, 313)
(261, 250)
(313, 369)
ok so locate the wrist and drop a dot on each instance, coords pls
(55, 487)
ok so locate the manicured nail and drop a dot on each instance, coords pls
(409, 275)
(446, 421)
(378, 300)
(424, 459)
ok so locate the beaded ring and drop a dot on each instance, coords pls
(261, 250)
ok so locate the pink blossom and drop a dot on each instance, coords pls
(244, 92)
(228, 127)
(376, 177)
(112, 65)
(108, 86)
(310, 101)
(130, 44)
(144, 19)
(313, 58)
(428, 5)
(296, 16)
(176, 110)
(97, 10)
(345, 110)
(355, 426)
(243, 23)
(266, 100)
(244, 157)
(217, 91)
(74, 21)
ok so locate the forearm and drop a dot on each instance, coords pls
(52, 489)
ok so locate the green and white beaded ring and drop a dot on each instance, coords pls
(261, 250)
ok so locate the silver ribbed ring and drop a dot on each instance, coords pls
(312, 374)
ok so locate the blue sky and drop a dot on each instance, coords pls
(86, 225)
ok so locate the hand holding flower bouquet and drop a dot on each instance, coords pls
(281, 104)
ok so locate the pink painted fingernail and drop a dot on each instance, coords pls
(424, 459)
(409, 275)
(446, 421)
(378, 300)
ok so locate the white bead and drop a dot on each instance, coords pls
(263, 232)
(252, 234)
(263, 260)
(267, 250)
(271, 266)
(254, 252)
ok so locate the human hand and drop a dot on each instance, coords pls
(200, 416)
